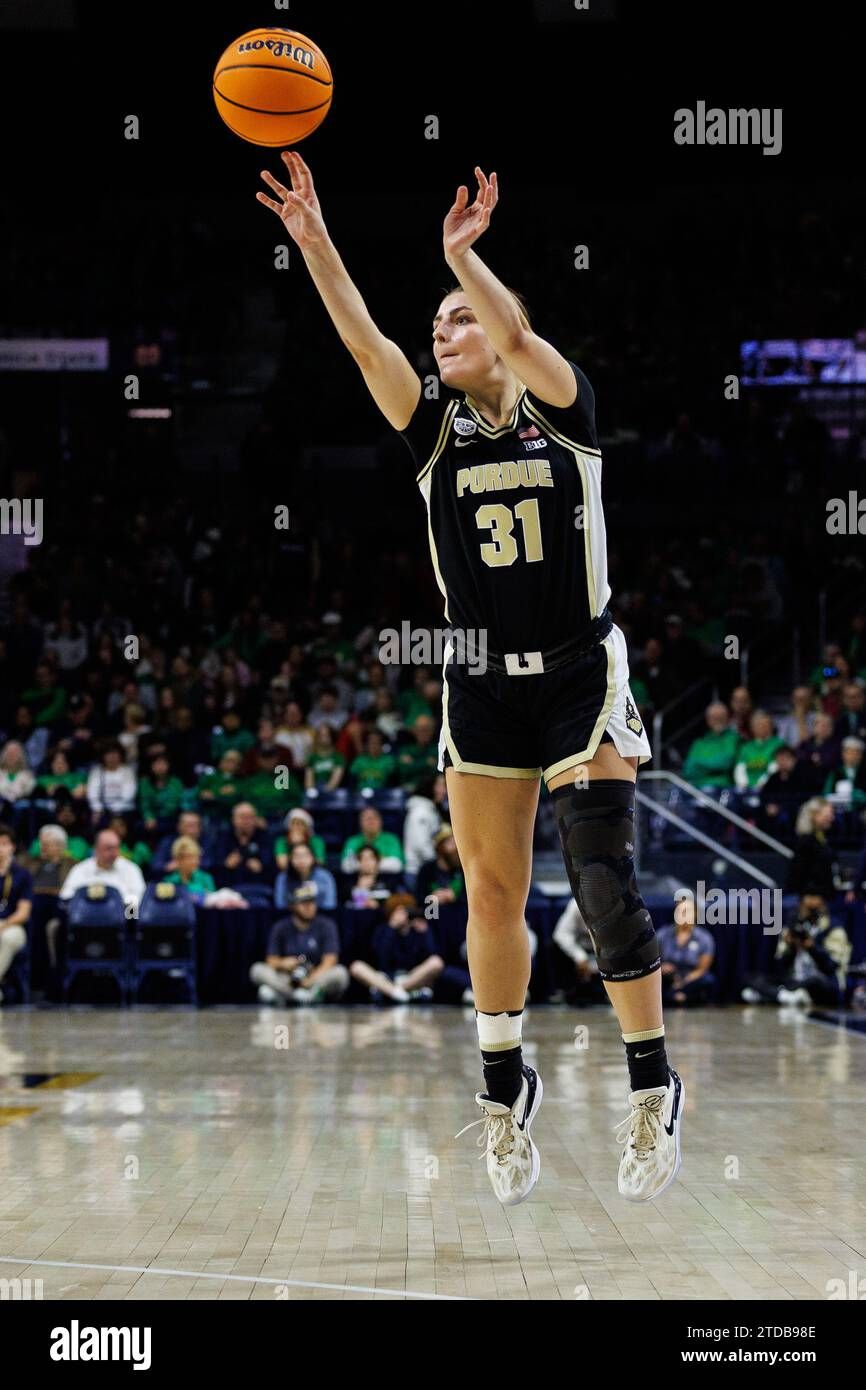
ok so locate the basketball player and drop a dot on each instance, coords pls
(508, 463)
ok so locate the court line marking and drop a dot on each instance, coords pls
(238, 1278)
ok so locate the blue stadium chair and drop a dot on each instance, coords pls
(97, 937)
(390, 802)
(164, 939)
(333, 815)
(256, 894)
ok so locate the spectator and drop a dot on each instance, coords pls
(848, 780)
(160, 795)
(136, 850)
(218, 791)
(333, 643)
(407, 962)
(61, 779)
(187, 747)
(244, 855)
(834, 681)
(66, 642)
(107, 866)
(803, 970)
(796, 727)
(45, 698)
(16, 903)
(423, 698)
(650, 669)
(813, 868)
(372, 681)
(687, 953)
(111, 785)
(294, 733)
(851, 721)
(17, 782)
(374, 768)
(299, 830)
(711, 758)
(741, 710)
(426, 811)
(571, 935)
(326, 767)
(187, 827)
(783, 793)
(368, 890)
(301, 966)
(230, 735)
(51, 863)
(352, 738)
(133, 735)
(420, 758)
(188, 873)
(755, 756)
(269, 783)
(76, 734)
(388, 718)
(371, 833)
(34, 741)
(820, 752)
(50, 867)
(441, 878)
(326, 710)
(304, 869)
(69, 816)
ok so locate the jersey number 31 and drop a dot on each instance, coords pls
(501, 549)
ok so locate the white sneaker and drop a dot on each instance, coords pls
(304, 996)
(651, 1133)
(788, 997)
(750, 996)
(513, 1161)
(269, 996)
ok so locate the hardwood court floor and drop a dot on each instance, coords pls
(181, 1154)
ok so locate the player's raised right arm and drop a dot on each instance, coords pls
(390, 377)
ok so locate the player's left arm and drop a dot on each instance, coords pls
(534, 361)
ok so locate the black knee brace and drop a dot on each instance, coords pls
(596, 829)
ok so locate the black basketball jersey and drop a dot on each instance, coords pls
(515, 520)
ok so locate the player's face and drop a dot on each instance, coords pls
(460, 345)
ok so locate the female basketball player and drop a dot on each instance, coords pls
(508, 463)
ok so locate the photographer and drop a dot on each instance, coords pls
(301, 965)
(688, 952)
(810, 961)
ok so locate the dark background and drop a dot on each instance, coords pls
(691, 251)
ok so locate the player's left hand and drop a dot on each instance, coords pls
(464, 223)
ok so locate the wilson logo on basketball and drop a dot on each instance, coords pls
(279, 48)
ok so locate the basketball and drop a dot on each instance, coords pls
(273, 87)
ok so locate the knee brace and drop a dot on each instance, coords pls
(596, 830)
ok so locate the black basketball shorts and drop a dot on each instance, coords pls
(532, 725)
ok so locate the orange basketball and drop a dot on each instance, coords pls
(273, 86)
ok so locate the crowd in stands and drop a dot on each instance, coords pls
(204, 766)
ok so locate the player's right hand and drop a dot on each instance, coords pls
(298, 208)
